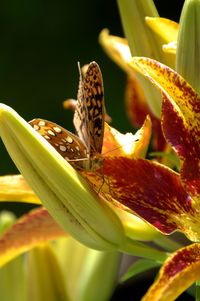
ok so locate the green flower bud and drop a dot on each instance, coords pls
(67, 196)
(188, 44)
(142, 42)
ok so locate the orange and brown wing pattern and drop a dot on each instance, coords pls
(89, 113)
(69, 146)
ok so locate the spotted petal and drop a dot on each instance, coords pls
(180, 118)
(154, 192)
(178, 273)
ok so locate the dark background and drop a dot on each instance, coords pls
(41, 42)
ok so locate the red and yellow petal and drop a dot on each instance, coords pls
(178, 273)
(151, 191)
(136, 104)
(186, 143)
(180, 118)
(137, 110)
(32, 229)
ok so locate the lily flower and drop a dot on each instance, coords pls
(177, 208)
(180, 104)
(132, 186)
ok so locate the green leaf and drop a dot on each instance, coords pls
(138, 267)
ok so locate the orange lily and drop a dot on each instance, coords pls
(180, 122)
(173, 207)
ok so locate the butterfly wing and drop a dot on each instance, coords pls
(80, 113)
(89, 113)
(68, 145)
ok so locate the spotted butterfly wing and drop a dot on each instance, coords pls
(68, 145)
(89, 112)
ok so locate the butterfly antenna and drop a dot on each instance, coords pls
(79, 68)
(116, 148)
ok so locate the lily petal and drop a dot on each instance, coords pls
(45, 278)
(153, 192)
(29, 231)
(136, 105)
(165, 28)
(180, 104)
(127, 145)
(178, 273)
(187, 54)
(117, 49)
(137, 110)
(15, 188)
(87, 270)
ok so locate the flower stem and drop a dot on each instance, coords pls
(133, 15)
(197, 297)
(167, 243)
(142, 250)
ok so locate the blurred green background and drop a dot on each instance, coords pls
(41, 42)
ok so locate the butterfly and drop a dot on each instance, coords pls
(89, 113)
(84, 150)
